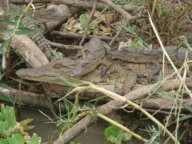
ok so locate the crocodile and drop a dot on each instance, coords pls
(61, 72)
(126, 66)
(66, 67)
(149, 56)
(152, 57)
(53, 13)
(53, 16)
(36, 37)
(125, 75)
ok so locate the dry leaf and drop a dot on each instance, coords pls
(124, 44)
(109, 18)
(99, 16)
(104, 29)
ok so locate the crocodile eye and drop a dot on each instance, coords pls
(51, 10)
(123, 64)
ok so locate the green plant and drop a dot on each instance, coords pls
(7, 121)
(12, 22)
(154, 134)
(162, 11)
(19, 139)
(12, 132)
(116, 135)
(187, 107)
(138, 42)
(84, 18)
(71, 116)
(16, 21)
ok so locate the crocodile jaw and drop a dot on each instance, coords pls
(43, 75)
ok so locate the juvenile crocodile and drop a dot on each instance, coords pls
(153, 58)
(66, 67)
(37, 37)
(60, 73)
(149, 56)
(137, 63)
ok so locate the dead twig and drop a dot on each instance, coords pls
(77, 3)
(28, 49)
(164, 102)
(75, 35)
(63, 46)
(23, 97)
(118, 8)
(125, 14)
(118, 33)
(168, 57)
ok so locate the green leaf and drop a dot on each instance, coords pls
(126, 137)
(10, 100)
(7, 121)
(4, 45)
(20, 31)
(188, 107)
(15, 139)
(35, 139)
(182, 118)
(131, 30)
(93, 24)
(8, 22)
(6, 31)
(83, 20)
(2, 85)
(116, 135)
(25, 31)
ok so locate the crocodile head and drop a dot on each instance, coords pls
(53, 13)
(56, 72)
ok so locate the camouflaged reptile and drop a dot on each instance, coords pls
(37, 37)
(126, 66)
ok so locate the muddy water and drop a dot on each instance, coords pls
(93, 135)
(49, 131)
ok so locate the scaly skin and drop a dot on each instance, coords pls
(53, 13)
(67, 68)
(146, 56)
(137, 63)
(37, 37)
(125, 75)
(93, 55)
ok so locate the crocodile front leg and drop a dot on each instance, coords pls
(129, 82)
(120, 73)
(132, 77)
(155, 69)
